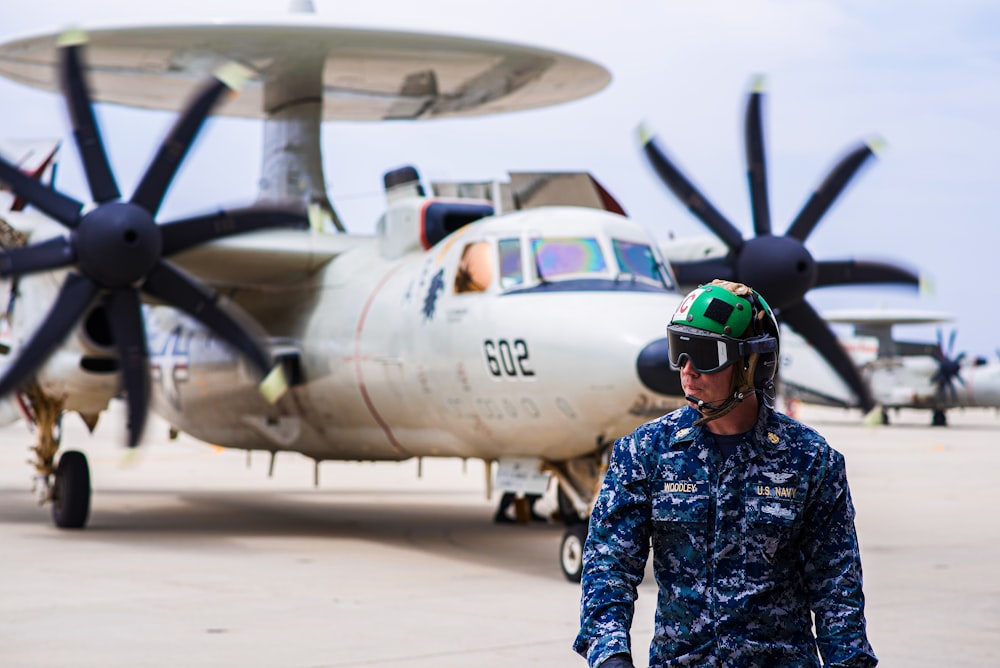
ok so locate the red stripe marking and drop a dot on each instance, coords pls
(357, 366)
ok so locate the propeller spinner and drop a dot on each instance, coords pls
(780, 267)
(117, 249)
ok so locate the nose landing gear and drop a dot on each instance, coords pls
(66, 486)
(71, 491)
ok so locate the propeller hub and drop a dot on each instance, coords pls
(653, 367)
(779, 268)
(117, 244)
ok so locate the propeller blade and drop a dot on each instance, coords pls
(81, 113)
(855, 272)
(49, 254)
(149, 195)
(703, 271)
(129, 334)
(64, 210)
(167, 283)
(74, 298)
(756, 168)
(821, 199)
(183, 234)
(939, 353)
(807, 322)
(688, 194)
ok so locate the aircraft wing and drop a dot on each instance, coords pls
(878, 323)
(265, 259)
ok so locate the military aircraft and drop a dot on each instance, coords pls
(456, 330)
(900, 373)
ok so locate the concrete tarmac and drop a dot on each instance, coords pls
(192, 558)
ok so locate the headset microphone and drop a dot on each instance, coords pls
(701, 404)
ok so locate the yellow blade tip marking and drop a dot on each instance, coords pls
(873, 418)
(72, 37)
(316, 215)
(877, 145)
(234, 75)
(644, 132)
(274, 386)
(926, 286)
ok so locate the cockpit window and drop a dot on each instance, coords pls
(556, 257)
(475, 269)
(511, 271)
(638, 260)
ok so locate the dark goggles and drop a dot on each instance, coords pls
(709, 354)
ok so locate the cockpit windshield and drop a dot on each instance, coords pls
(560, 263)
(563, 257)
(638, 260)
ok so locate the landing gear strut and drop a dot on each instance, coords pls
(66, 486)
(579, 481)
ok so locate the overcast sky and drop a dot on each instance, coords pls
(922, 75)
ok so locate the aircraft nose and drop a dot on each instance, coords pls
(653, 365)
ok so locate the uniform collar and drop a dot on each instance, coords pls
(768, 432)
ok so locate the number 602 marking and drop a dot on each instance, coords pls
(504, 358)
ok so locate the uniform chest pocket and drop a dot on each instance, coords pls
(680, 526)
(773, 513)
(770, 502)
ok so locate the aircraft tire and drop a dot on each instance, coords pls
(939, 418)
(71, 491)
(571, 551)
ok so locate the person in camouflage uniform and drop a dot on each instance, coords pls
(748, 513)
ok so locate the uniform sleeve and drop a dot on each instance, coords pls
(615, 554)
(833, 570)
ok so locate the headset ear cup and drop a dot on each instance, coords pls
(766, 368)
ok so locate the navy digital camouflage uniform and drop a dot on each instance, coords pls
(743, 550)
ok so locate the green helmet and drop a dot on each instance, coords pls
(721, 323)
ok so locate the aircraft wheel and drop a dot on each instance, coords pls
(571, 551)
(940, 419)
(71, 491)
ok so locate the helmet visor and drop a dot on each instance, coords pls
(709, 354)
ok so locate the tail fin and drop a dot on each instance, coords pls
(37, 158)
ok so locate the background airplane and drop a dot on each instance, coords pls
(435, 337)
(901, 373)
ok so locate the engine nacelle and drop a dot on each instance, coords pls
(414, 222)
